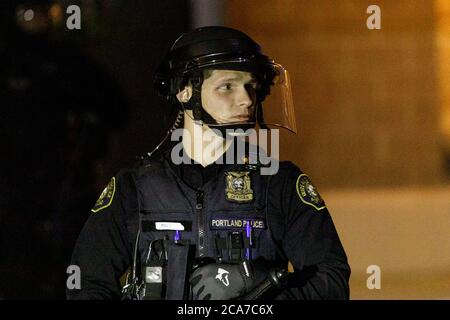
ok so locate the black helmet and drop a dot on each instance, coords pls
(224, 48)
(211, 48)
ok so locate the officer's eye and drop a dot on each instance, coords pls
(225, 87)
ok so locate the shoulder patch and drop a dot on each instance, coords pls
(106, 197)
(308, 193)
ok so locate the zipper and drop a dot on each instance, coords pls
(201, 224)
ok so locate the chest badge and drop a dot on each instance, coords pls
(238, 186)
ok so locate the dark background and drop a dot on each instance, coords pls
(372, 109)
(75, 107)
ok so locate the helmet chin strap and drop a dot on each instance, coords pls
(195, 104)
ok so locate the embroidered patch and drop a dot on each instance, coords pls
(238, 186)
(308, 193)
(106, 197)
(236, 223)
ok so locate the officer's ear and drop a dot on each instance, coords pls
(184, 95)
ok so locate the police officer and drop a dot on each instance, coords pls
(202, 228)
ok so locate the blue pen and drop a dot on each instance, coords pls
(177, 236)
(248, 234)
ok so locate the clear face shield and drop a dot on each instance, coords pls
(234, 96)
(278, 106)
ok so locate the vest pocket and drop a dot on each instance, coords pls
(248, 227)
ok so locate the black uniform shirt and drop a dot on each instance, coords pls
(195, 175)
(306, 234)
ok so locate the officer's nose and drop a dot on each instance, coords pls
(244, 98)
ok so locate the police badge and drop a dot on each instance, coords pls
(238, 186)
(308, 193)
(106, 197)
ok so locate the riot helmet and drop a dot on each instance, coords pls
(221, 48)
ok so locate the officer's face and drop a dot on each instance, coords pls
(229, 96)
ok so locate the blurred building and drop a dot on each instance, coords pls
(373, 116)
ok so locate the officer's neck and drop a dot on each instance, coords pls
(201, 143)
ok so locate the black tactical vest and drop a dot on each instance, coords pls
(225, 220)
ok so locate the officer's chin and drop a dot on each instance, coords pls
(236, 130)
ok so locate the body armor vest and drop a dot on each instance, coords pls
(224, 220)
